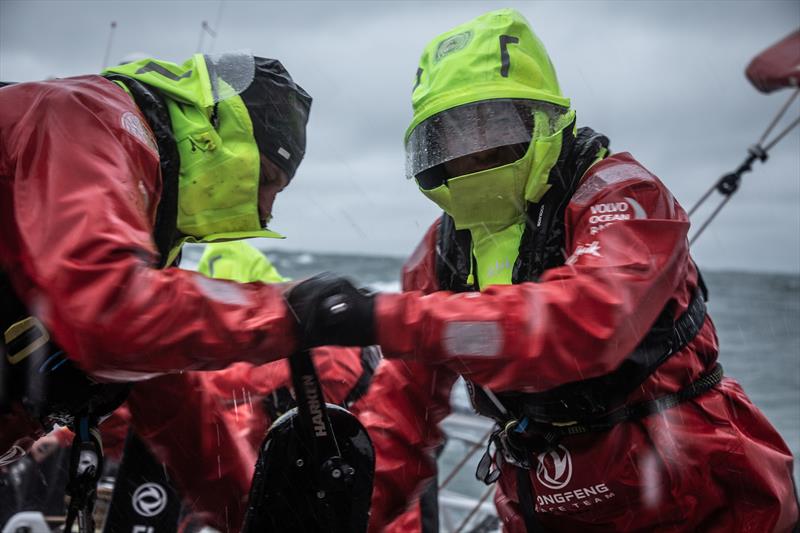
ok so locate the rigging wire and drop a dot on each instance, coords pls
(728, 184)
(488, 492)
(479, 444)
(108, 44)
(778, 116)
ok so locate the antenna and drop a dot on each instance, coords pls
(205, 28)
(216, 24)
(108, 45)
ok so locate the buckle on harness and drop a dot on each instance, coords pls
(86, 467)
(507, 441)
(23, 338)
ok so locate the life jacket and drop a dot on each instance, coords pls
(35, 371)
(587, 405)
(154, 108)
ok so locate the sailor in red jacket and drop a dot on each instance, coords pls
(102, 178)
(559, 284)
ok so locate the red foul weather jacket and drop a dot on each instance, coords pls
(713, 463)
(79, 186)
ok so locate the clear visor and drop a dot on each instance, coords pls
(472, 128)
(230, 73)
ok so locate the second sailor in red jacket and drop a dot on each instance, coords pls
(559, 284)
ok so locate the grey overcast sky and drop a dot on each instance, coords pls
(664, 80)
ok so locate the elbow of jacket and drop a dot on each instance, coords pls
(106, 359)
(610, 350)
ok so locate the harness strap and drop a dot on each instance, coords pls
(638, 410)
(525, 493)
(596, 398)
(526, 503)
(652, 354)
(370, 357)
(518, 439)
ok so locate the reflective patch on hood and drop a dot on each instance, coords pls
(221, 291)
(452, 44)
(472, 338)
(134, 125)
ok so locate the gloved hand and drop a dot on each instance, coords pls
(331, 311)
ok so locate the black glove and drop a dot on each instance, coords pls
(331, 311)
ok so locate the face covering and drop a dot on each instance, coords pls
(492, 203)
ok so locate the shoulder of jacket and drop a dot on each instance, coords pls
(613, 172)
(419, 270)
(90, 90)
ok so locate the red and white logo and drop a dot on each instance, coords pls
(134, 125)
(149, 499)
(554, 468)
(589, 249)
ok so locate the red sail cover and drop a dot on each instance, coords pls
(778, 66)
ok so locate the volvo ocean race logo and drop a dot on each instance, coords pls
(149, 499)
(554, 468)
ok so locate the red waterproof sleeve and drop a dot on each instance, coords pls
(626, 240)
(186, 429)
(85, 184)
(401, 411)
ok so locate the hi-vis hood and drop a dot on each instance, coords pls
(219, 166)
(492, 56)
(466, 76)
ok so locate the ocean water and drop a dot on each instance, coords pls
(757, 316)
